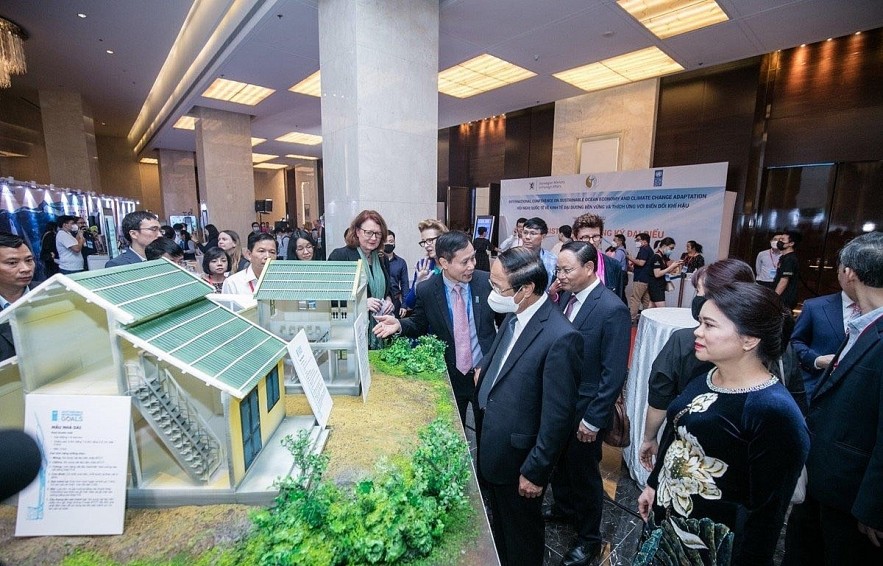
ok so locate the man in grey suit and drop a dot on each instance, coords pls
(438, 311)
(604, 323)
(139, 228)
(526, 399)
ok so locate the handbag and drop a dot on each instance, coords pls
(619, 433)
(688, 542)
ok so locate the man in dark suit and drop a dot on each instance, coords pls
(589, 228)
(604, 322)
(845, 465)
(438, 311)
(16, 272)
(818, 332)
(139, 228)
(526, 396)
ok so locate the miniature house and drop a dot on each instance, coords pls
(324, 298)
(206, 384)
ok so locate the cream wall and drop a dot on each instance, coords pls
(118, 168)
(269, 183)
(629, 110)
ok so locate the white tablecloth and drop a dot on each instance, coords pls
(654, 329)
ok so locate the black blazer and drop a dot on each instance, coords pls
(605, 325)
(530, 409)
(818, 332)
(347, 253)
(7, 346)
(432, 315)
(613, 279)
(845, 464)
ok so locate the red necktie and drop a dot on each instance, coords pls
(462, 343)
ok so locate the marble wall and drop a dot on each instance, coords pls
(628, 110)
(69, 134)
(177, 179)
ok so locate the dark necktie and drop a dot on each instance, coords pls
(569, 308)
(491, 374)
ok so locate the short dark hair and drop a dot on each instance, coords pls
(794, 237)
(755, 311)
(523, 266)
(178, 226)
(566, 230)
(167, 231)
(65, 218)
(583, 251)
(723, 272)
(521, 220)
(482, 230)
(450, 243)
(10, 240)
(864, 255)
(619, 238)
(644, 237)
(133, 220)
(162, 245)
(390, 233)
(256, 237)
(537, 223)
(212, 254)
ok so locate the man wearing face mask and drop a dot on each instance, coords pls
(676, 364)
(69, 245)
(398, 272)
(767, 262)
(526, 395)
(787, 273)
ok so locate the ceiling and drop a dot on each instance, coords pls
(280, 47)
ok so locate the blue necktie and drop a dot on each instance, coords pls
(490, 377)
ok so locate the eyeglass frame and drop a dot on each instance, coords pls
(154, 229)
(370, 234)
(501, 291)
(588, 239)
(423, 243)
(567, 271)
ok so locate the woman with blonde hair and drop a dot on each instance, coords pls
(229, 241)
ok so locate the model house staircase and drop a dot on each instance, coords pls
(175, 420)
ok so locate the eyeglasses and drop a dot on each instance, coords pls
(531, 233)
(501, 291)
(153, 229)
(564, 270)
(595, 238)
(371, 234)
(427, 241)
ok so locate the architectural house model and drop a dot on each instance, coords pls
(324, 298)
(208, 409)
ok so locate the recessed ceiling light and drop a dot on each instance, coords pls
(149, 160)
(311, 86)
(261, 157)
(301, 138)
(81, 15)
(667, 18)
(185, 123)
(478, 75)
(296, 156)
(234, 91)
(256, 141)
(631, 67)
(109, 51)
(270, 166)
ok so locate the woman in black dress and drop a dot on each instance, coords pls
(482, 249)
(661, 266)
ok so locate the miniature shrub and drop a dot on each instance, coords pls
(413, 357)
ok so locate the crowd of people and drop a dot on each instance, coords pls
(744, 412)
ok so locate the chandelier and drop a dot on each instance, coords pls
(12, 52)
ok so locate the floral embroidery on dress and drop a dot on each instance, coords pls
(687, 471)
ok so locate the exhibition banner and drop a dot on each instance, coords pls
(81, 487)
(310, 377)
(685, 203)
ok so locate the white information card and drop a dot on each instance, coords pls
(310, 377)
(81, 488)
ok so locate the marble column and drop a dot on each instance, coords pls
(379, 61)
(69, 134)
(177, 182)
(226, 178)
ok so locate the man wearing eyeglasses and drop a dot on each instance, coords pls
(589, 228)
(535, 230)
(139, 228)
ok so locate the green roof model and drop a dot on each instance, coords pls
(310, 281)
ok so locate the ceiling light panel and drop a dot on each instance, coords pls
(270, 166)
(301, 138)
(185, 123)
(256, 141)
(636, 66)
(295, 156)
(480, 74)
(240, 93)
(667, 18)
(311, 86)
(149, 160)
(261, 157)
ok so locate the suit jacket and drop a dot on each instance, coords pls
(613, 279)
(7, 346)
(605, 325)
(128, 257)
(347, 253)
(433, 315)
(530, 409)
(817, 332)
(845, 464)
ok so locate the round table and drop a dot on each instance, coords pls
(654, 329)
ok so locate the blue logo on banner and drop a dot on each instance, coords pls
(54, 416)
(657, 178)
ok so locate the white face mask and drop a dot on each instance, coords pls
(501, 304)
(75, 229)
